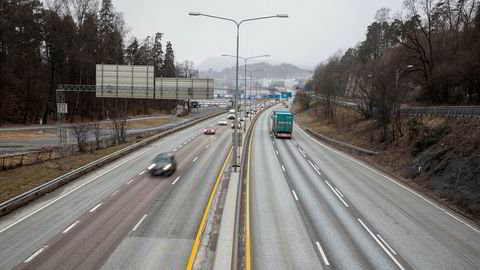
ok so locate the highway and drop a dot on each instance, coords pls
(120, 217)
(314, 207)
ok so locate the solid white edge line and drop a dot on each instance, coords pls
(71, 191)
(139, 222)
(129, 181)
(142, 172)
(283, 168)
(29, 259)
(173, 183)
(381, 245)
(114, 193)
(339, 192)
(324, 257)
(386, 244)
(336, 194)
(95, 208)
(313, 166)
(71, 226)
(195, 159)
(295, 195)
(394, 181)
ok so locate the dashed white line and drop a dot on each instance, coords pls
(114, 193)
(303, 153)
(35, 254)
(318, 168)
(339, 192)
(195, 159)
(208, 145)
(71, 227)
(335, 192)
(185, 143)
(294, 143)
(294, 194)
(95, 208)
(313, 166)
(283, 168)
(142, 172)
(71, 191)
(386, 244)
(276, 152)
(273, 142)
(131, 180)
(325, 260)
(139, 222)
(173, 183)
(380, 244)
(180, 146)
(174, 150)
(394, 181)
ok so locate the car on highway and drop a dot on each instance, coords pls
(242, 119)
(163, 164)
(239, 125)
(209, 131)
(231, 116)
(222, 122)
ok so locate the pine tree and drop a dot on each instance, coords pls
(168, 69)
(106, 30)
(131, 54)
(158, 54)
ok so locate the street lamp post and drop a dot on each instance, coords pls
(256, 92)
(245, 59)
(235, 132)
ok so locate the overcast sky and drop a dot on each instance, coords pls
(315, 29)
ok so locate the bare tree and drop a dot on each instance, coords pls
(80, 131)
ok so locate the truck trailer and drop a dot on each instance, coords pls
(282, 124)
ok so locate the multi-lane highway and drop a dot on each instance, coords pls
(314, 207)
(120, 217)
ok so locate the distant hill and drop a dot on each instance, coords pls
(280, 71)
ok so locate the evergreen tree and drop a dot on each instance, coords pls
(131, 54)
(158, 54)
(168, 69)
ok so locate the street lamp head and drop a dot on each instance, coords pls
(410, 66)
(194, 13)
(282, 15)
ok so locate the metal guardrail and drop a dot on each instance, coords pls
(442, 111)
(346, 145)
(26, 197)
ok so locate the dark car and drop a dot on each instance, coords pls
(209, 131)
(163, 164)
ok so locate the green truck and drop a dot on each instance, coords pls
(282, 124)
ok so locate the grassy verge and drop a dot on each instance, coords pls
(17, 181)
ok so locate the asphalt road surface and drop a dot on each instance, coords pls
(121, 217)
(314, 207)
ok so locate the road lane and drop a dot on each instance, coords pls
(279, 236)
(426, 236)
(25, 231)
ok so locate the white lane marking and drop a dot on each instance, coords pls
(142, 172)
(318, 168)
(131, 180)
(325, 260)
(114, 193)
(29, 259)
(208, 145)
(394, 181)
(185, 143)
(294, 143)
(335, 192)
(71, 226)
(381, 245)
(139, 222)
(339, 192)
(174, 150)
(294, 194)
(386, 244)
(71, 191)
(276, 152)
(273, 142)
(180, 146)
(175, 180)
(95, 208)
(313, 166)
(283, 168)
(195, 159)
